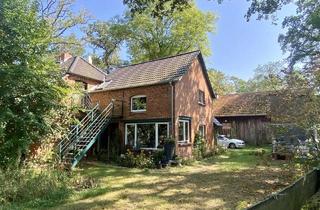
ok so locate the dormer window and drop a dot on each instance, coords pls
(139, 103)
(202, 99)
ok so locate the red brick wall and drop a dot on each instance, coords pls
(186, 104)
(159, 104)
(158, 101)
(71, 79)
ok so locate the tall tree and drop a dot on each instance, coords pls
(60, 16)
(221, 83)
(302, 39)
(108, 37)
(148, 37)
(267, 77)
(29, 79)
(161, 7)
(151, 37)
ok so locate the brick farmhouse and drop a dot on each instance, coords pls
(153, 100)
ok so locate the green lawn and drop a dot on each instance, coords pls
(235, 179)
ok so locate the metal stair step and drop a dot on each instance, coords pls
(80, 140)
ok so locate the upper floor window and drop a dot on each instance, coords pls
(202, 100)
(138, 103)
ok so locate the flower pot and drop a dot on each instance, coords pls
(169, 152)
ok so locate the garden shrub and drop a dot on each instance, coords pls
(136, 160)
(199, 147)
(158, 157)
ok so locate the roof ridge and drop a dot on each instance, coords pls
(172, 56)
(252, 92)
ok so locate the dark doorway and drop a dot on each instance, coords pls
(109, 144)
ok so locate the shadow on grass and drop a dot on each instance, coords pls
(193, 187)
(222, 182)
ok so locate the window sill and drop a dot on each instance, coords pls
(184, 144)
(138, 111)
(147, 149)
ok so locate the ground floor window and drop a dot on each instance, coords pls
(202, 131)
(146, 135)
(184, 131)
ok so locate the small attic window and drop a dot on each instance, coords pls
(202, 99)
(139, 103)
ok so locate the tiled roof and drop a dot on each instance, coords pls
(148, 73)
(244, 104)
(79, 66)
(278, 105)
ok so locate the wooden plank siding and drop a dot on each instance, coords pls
(254, 130)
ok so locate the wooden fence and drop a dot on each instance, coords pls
(292, 197)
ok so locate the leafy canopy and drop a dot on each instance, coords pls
(29, 80)
(151, 37)
(148, 37)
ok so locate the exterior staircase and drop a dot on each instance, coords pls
(74, 146)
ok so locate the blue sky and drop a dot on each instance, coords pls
(238, 47)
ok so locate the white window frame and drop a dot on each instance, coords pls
(126, 132)
(136, 133)
(202, 126)
(201, 92)
(138, 96)
(186, 123)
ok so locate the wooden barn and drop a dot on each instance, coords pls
(244, 116)
(251, 116)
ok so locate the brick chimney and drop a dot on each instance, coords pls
(64, 57)
(90, 59)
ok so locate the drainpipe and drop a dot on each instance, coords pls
(172, 109)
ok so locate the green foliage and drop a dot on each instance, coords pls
(28, 185)
(31, 88)
(302, 36)
(169, 140)
(108, 37)
(199, 147)
(148, 37)
(268, 77)
(161, 7)
(69, 44)
(151, 37)
(221, 83)
(136, 160)
(158, 157)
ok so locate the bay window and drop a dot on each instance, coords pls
(146, 135)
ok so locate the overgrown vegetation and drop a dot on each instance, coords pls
(33, 187)
(237, 178)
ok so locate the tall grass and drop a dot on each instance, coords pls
(34, 188)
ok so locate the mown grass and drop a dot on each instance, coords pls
(232, 180)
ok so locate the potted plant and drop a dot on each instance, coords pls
(169, 145)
